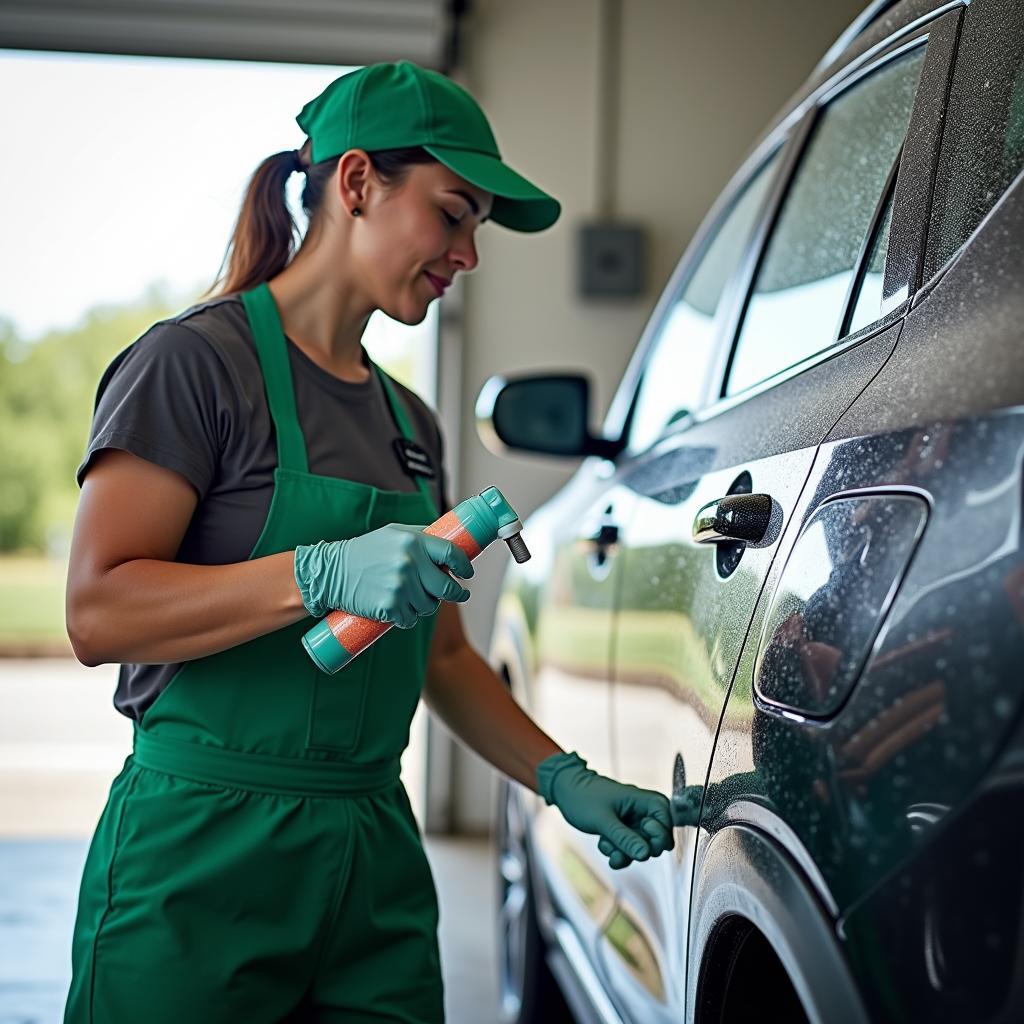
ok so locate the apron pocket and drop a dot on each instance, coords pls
(338, 703)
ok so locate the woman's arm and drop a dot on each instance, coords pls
(474, 703)
(128, 601)
(632, 824)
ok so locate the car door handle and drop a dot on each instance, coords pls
(735, 517)
(606, 536)
(601, 544)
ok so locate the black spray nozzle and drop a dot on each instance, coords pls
(516, 545)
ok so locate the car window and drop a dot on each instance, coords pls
(983, 145)
(868, 300)
(682, 350)
(801, 286)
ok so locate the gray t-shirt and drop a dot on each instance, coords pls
(189, 396)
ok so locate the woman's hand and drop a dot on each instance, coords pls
(633, 824)
(393, 574)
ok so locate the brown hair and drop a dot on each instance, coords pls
(264, 238)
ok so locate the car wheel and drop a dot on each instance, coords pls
(527, 990)
(741, 975)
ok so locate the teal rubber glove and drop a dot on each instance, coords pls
(685, 813)
(393, 574)
(631, 823)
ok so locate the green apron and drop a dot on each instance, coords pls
(258, 859)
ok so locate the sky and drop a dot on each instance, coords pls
(119, 172)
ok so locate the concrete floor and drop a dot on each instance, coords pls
(61, 743)
(39, 890)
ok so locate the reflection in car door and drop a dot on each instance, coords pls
(571, 688)
(684, 328)
(686, 603)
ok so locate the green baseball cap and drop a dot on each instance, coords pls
(392, 106)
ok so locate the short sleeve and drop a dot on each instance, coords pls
(166, 399)
(442, 475)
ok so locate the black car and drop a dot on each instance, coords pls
(786, 584)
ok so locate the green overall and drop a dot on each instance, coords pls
(258, 860)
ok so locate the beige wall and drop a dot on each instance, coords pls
(699, 81)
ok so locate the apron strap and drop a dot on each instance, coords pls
(398, 411)
(272, 350)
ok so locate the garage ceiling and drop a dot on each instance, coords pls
(342, 32)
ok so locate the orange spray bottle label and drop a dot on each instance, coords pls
(472, 525)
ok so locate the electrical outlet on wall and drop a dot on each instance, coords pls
(611, 259)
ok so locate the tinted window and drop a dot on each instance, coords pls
(681, 353)
(983, 146)
(868, 301)
(801, 286)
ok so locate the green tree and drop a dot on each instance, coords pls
(47, 392)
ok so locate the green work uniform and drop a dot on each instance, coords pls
(258, 859)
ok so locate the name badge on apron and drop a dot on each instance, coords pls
(415, 461)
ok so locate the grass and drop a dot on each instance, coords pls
(652, 645)
(32, 602)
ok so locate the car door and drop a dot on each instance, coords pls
(895, 705)
(575, 568)
(704, 503)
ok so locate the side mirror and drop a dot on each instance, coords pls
(547, 414)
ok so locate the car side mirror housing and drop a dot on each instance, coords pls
(548, 414)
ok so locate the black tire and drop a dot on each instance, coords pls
(527, 990)
(741, 976)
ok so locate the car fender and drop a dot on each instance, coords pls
(742, 872)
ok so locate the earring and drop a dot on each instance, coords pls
(356, 211)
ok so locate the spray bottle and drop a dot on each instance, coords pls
(472, 525)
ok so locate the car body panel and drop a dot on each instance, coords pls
(823, 825)
(571, 696)
(667, 705)
(942, 938)
(937, 701)
(746, 874)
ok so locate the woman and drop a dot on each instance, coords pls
(257, 859)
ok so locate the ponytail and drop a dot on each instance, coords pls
(265, 235)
